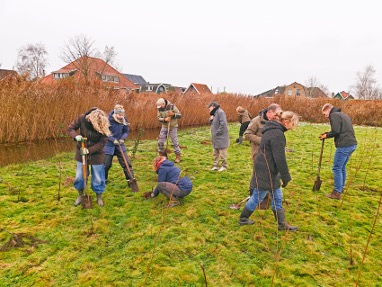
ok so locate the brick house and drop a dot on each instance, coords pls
(195, 88)
(89, 69)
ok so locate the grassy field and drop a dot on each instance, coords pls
(46, 241)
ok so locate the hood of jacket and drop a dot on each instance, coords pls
(335, 110)
(272, 125)
(165, 163)
(263, 116)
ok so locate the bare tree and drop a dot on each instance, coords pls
(313, 86)
(79, 51)
(31, 61)
(366, 85)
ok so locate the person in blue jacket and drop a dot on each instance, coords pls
(119, 131)
(170, 184)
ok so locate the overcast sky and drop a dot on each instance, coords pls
(238, 46)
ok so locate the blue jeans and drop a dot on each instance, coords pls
(341, 158)
(98, 178)
(258, 196)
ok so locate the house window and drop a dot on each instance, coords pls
(290, 92)
(60, 75)
(298, 92)
(109, 78)
(149, 88)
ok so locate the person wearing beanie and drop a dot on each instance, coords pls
(220, 136)
(170, 184)
(168, 115)
(92, 127)
(119, 128)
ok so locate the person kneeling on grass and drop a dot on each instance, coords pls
(170, 184)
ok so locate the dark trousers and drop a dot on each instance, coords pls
(243, 127)
(108, 161)
(169, 189)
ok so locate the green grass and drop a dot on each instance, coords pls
(137, 242)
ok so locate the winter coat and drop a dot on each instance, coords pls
(169, 172)
(95, 140)
(219, 129)
(162, 113)
(118, 131)
(253, 132)
(244, 116)
(342, 129)
(271, 159)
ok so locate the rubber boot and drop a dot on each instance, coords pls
(79, 198)
(240, 140)
(281, 221)
(244, 217)
(99, 199)
(177, 159)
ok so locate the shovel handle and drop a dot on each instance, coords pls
(125, 161)
(244, 200)
(320, 161)
(84, 167)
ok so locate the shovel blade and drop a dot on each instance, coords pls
(86, 202)
(235, 206)
(317, 184)
(134, 185)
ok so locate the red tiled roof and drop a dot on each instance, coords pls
(95, 67)
(344, 95)
(202, 88)
(7, 73)
(198, 88)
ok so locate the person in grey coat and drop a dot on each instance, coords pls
(220, 136)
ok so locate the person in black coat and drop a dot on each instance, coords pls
(270, 169)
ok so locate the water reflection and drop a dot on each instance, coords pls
(21, 153)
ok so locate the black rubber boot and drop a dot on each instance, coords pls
(99, 199)
(281, 221)
(244, 217)
(240, 140)
(79, 198)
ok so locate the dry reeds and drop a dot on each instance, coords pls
(32, 111)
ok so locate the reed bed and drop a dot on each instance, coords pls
(32, 111)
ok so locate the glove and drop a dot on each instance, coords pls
(170, 113)
(121, 141)
(284, 184)
(84, 151)
(168, 119)
(78, 138)
(116, 142)
(148, 194)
